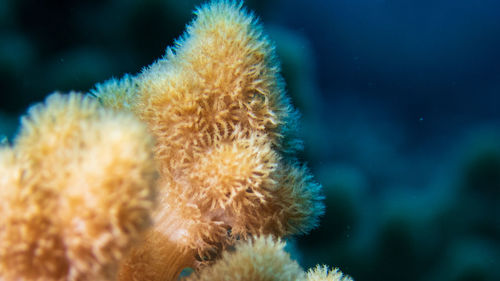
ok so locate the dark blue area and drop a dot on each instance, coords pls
(436, 59)
(400, 102)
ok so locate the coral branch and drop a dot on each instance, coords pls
(224, 133)
(225, 141)
(76, 191)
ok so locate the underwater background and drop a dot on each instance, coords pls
(400, 103)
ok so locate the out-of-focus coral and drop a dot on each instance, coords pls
(225, 141)
(444, 230)
(469, 223)
(298, 66)
(76, 189)
(468, 259)
(336, 238)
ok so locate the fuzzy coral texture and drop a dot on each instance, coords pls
(76, 191)
(225, 143)
(265, 259)
(259, 259)
(77, 187)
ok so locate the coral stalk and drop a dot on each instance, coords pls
(157, 258)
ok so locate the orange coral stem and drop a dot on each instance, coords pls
(156, 259)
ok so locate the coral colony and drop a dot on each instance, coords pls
(191, 163)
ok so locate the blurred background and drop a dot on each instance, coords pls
(400, 103)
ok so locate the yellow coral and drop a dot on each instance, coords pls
(117, 94)
(225, 143)
(261, 259)
(76, 190)
(322, 273)
(77, 187)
